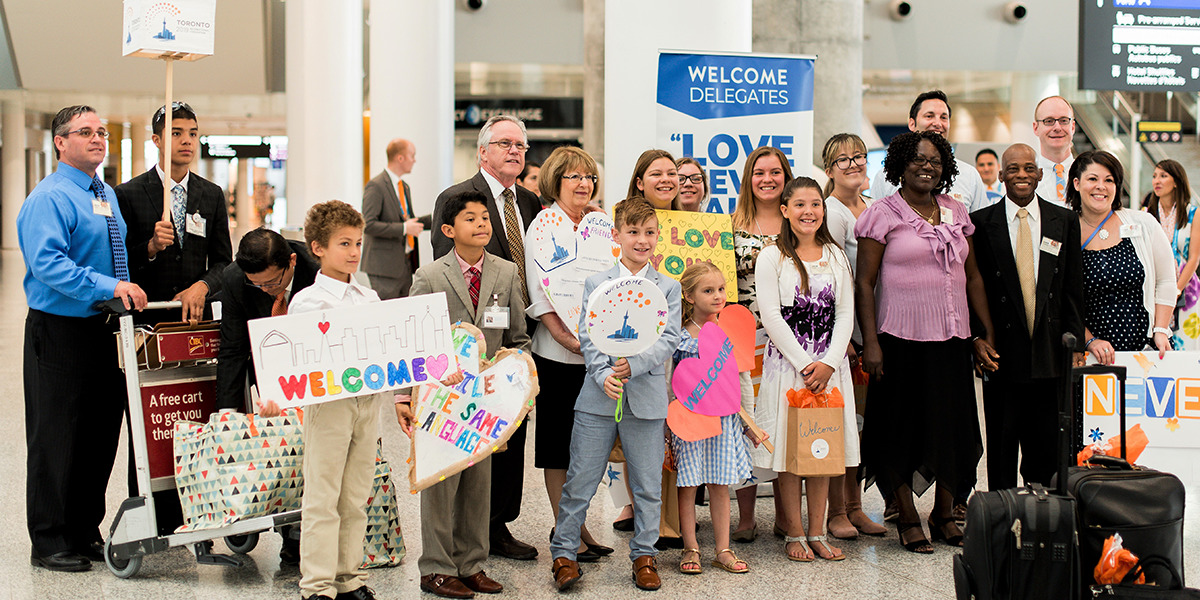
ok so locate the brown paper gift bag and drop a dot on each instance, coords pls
(815, 441)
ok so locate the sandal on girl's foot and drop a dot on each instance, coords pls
(841, 528)
(920, 545)
(865, 525)
(690, 566)
(803, 541)
(817, 543)
(745, 536)
(736, 565)
(945, 528)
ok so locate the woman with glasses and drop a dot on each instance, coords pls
(1128, 270)
(567, 181)
(1170, 203)
(656, 179)
(845, 158)
(693, 184)
(916, 275)
(756, 223)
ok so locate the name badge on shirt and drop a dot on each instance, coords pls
(100, 207)
(495, 316)
(1050, 246)
(195, 224)
(1131, 230)
(947, 216)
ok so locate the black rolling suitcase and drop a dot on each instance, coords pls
(1143, 505)
(1021, 543)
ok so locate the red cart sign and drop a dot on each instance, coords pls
(165, 404)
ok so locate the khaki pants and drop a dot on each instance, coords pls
(454, 522)
(339, 469)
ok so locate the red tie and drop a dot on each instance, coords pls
(473, 286)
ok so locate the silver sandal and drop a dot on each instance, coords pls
(820, 539)
(803, 541)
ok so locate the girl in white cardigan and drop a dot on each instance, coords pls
(1128, 269)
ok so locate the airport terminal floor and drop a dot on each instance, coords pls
(875, 567)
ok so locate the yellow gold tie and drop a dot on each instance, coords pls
(1025, 267)
(516, 238)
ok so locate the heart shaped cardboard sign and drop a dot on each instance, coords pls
(690, 426)
(706, 385)
(626, 316)
(457, 427)
(564, 256)
(738, 323)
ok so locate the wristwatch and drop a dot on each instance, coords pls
(1163, 330)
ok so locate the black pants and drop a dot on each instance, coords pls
(508, 477)
(74, 398)
(1021, 414)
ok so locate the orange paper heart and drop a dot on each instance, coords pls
(738, 323)
(690, 426)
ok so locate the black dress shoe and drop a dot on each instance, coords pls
(93, 551)
(667, 543)
(61, 561)
(587, 556)
(362, 593)
(623, 524)
(599, 549)
(512, 548)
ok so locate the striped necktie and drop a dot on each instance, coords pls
(120, 266)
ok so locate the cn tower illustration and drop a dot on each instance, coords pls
(625, 332)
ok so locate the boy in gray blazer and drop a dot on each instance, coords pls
(454, 512)
(642, 380)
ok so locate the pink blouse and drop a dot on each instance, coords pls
(921, 291)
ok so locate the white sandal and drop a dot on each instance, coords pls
(803, 542)
(820, 539)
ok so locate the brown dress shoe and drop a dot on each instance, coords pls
(446, 586)
(566, 573)
(483, 584)
(645, 573)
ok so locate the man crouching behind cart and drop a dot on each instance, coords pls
(266, 274)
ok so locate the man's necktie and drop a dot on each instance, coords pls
(280, 305)
(1060, 183)
(120, 266)
(1025, 267)
(178, 208)
(408, 239)
(516, 238)
(473, 286)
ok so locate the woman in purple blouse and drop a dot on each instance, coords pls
(916, 273)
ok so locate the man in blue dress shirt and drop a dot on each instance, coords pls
(72, 239)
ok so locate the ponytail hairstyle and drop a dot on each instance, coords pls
(690, 280)
(787, 240)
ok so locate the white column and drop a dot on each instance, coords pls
(139, 134)
(412, 92)
(12, 168)
(324, 105)
(634, 31)
(1027, 90)
(246, 219)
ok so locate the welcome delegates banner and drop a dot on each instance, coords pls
(323, 355)
(718, 108)
(1163, 397)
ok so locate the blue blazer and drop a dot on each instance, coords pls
(646, 390)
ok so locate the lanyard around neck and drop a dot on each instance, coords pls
(1096, 230)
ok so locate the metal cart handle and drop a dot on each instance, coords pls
(116, 306)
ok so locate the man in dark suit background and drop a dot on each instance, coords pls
(180, 259)
(1028, 253)
(503, 142)
(389, 253)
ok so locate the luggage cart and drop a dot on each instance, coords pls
(134, 532)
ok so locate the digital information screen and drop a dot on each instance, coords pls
(1140, 45)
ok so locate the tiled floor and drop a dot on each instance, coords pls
(875, 568)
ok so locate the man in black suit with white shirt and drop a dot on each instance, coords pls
(1028, 252)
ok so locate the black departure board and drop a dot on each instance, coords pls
(1139, 45)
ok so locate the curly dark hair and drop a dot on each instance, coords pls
(904, 148)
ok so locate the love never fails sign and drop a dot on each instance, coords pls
(318, 356)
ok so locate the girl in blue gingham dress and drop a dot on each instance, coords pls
(718, 461)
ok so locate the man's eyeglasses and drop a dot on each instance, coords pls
(274, 283)
(843, 163)
(506, 144)
(921, 161)
(695, 178)
(576, 177)
(87, 133)
(1050, 121)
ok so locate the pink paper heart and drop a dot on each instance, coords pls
(437, 365)
(323, 326)
(709, 385)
